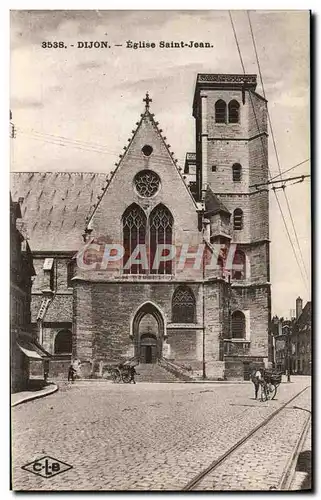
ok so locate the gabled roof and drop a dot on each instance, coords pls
(213, 204)
(55, 206)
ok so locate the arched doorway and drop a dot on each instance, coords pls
(148, 333)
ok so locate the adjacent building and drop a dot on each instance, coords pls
(23, 345)
(292, 341)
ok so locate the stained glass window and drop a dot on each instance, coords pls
(134, 233)
(238, 325)
(183, 305)
(147, 183)
(161, 228)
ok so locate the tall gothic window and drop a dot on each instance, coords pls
(134, 233)
(239, 261)
(238, 219)
(220, 111)
(233, 112)
(237, 172)
(238, 325)
(63, 342)
(161, 229)
(183, 305)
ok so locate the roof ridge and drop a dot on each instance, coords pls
(56, 172)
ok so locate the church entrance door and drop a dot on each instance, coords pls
(148, 328)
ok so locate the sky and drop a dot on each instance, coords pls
(74, 109)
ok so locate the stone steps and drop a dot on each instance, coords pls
(152, 372)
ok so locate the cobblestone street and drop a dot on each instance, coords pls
(155, 436)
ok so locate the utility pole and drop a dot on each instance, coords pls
(286, 330)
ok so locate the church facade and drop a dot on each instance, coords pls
(157, 264)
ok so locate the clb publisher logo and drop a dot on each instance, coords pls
(47, 467)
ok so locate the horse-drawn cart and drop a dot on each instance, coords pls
(272, 380)
(121, 372)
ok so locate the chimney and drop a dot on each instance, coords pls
(298, 307)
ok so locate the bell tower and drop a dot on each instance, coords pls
(231, 158)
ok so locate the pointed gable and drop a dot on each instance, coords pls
(147, 156)
(140, 150)
(213, 205)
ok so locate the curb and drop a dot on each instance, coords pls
(31, 397)
(222, 382)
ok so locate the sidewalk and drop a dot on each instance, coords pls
(36, 391)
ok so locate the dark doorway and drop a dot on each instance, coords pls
(148, 354)
(148, 349)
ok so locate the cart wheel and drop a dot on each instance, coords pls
(115, 377)
(126, 378)
(264, 395)
(271, 391)
(274, 390)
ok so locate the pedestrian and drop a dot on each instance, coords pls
(132, 375)
(46, 371)
(256, 378)
(71, 373)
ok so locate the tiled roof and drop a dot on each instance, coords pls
(55, 206)
(213, 204)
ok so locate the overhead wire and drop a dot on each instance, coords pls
(82, 145)
(264, 154)
(274, 145)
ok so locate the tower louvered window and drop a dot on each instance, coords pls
(237, 172)
(134, 233)
(233, 112)
(238, 325)
(239, 266)
(220, 111)
(238, 219)
(183, 305)
(161, 228)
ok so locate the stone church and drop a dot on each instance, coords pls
(193, 320)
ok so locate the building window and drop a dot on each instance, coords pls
(70, 273)
(63, 342)
(147, 183)
(183, 305)
(233, 112)
(48, 267)
(237, 172)
(161, 228)
(147, 150)
(134, 233)
(238, 325)
(220, 111)
(239, 267)
(238, 219)
(213, 168)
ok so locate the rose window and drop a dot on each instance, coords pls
(147, 183)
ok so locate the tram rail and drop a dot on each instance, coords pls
(196, 480)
